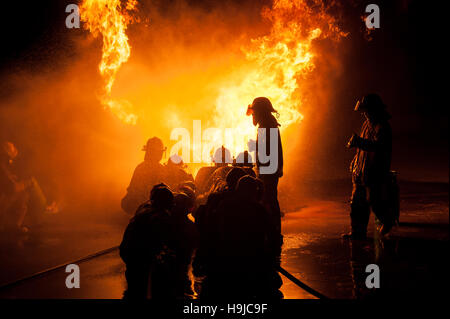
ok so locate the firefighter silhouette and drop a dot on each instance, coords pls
(370, 168)
(147, 174)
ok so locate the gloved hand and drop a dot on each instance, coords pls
(352, 141)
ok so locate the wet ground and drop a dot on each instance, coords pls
(412, 260)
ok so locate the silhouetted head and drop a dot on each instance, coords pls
(161, 196)
(249, 187)
(175, 160)
(222, 157)
(261, 110)
(154, 150)
(181, 204)
(233, 177)
(9, 151)
(244, 159)
(190, 192)
(373, 108)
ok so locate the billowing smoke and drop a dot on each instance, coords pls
(188, 61)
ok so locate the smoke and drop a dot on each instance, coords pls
(187, 58)
(78, 152)
(182, 54)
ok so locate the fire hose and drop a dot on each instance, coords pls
(53, 269)
(47, 271)
(300, 284)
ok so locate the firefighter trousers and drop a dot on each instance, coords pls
(365, 198)
(270, 199)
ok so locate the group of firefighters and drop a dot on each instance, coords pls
(226, 224)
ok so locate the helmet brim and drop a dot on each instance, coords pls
(249, 110)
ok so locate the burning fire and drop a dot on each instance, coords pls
(107, 18)
(277, 64)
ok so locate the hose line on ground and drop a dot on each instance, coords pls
(108, 250)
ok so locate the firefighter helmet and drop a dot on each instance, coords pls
(260, 105)
(370, 102)
(154, 144)
(161, 196)
(222, 156)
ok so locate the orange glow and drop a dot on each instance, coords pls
(277, 63)
(177, 64)
(272, 65)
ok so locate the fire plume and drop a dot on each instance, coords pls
(108, 19)
(273, 65)
(276, 65)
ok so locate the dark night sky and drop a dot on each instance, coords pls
(401, 63)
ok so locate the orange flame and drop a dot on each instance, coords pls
(274, 64)
(277, 63)
(107, 18)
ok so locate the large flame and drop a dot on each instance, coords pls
(108, 19)
(274, 65)
(277, 63)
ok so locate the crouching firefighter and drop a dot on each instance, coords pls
(146, 247)
(370, 168)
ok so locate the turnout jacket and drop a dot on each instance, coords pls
(372, 160)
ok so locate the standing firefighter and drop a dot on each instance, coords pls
(146, 174)
(269, 154)
(370, 168)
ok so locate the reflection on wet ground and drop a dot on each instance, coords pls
(100, 278)
(412, 259)
(52, 244)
